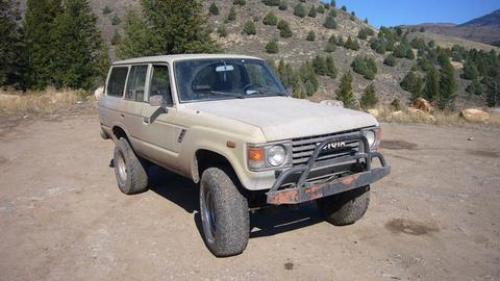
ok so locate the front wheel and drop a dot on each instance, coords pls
(345, 208)
(130, 172)
(224, 213)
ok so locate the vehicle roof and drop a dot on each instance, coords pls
(174, 58)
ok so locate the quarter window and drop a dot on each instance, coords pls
(116, 83)
(136, 83)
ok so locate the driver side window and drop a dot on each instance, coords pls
(160, 83)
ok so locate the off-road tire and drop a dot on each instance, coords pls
(136, 178)
(224, 213)
(345, 208)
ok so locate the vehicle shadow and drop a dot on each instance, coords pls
(265, 222)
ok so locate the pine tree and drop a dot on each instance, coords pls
(492, 91)
(213, 9)
(413, 84)
(40, 47)
(116, 20)
(331, 69)
(139, 40)
(319, 64)
(309, 78)
(330, 22)
(311, 36)
(116, 39)
(447, 86)
(300, 10)
(390, 60)
(222, 31)
(10, 45)
(169, 27)
(369, 98)
(475, 88)
(470, 70)
(431, 90)
(232, 14)
(283, 6)
(81, 59)
(344, 92)
(312, 12)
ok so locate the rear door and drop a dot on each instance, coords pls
(111, 104)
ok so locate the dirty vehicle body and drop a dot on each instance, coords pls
(227, 123)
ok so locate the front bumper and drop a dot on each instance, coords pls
(303, 191)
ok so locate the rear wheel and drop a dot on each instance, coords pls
(224, 213)
(345, 208)
(130, 172)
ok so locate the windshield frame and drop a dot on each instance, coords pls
(274, 77)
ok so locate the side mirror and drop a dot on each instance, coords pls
(157, 100)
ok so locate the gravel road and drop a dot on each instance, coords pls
(62, 217)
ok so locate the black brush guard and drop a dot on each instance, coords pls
(303, 191)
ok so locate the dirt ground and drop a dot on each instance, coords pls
(62, 216)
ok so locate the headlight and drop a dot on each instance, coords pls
(373, 137)
(276, 155)
(268, 156)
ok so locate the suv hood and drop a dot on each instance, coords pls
(282, 118)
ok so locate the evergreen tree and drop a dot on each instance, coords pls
(309, 78)
(284, 29)
(311, 36)
(214, 10)
(447, 86)
(319, 64)
(492, 91)
(232, 14)
(169, 27)
(475, 88)
(330, 22)
(344, 92)
(10, 46)
(300, 10)
(249, 28)
(82, 56)
(330, 47)
(40, 47)
(312, 12)
(331, 69)
(270, 19)
(116, 39)
(369, 98)
(413, 84)
(320, 9)
(351, 44)
(431, 90)
(116, 20)
(365, 66)
(390, 60)
(470, 70)
(222, 31)
(106, 10)
(283, 6)
(272, 47)
(139, 40)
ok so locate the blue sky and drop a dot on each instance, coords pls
(397, 12)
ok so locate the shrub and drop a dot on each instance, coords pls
(369, 98)
(300, 10)
(240, 2)
(270, 19)
(320, 9)
(475, 88)
(311, 36)
(272, 47)
(284, 28)
(249, 28)
(330, 22)
(331, 69)
(214, 10)
(403, 50)
(390, 60)
(330, 47)
(271, 2)
(222, 31)
(344, 8)
(319, 65)
(116, 39)
(365, 32)
(365, 66)
(413, 84)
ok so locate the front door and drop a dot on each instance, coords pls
(160, 133)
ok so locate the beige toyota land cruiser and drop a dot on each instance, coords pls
(227, 123)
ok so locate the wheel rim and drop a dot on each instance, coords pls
(208, 215)
(122, 168)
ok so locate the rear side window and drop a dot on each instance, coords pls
(116, 83)
(136, 83)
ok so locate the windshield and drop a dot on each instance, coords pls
(216, 79)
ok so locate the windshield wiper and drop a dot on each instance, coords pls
(227, 94)
(263, 92)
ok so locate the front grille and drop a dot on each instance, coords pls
(303, 148)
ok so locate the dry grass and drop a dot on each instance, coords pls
(37, 102)
(405, 116)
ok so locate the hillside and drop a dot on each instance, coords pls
(485, 29)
